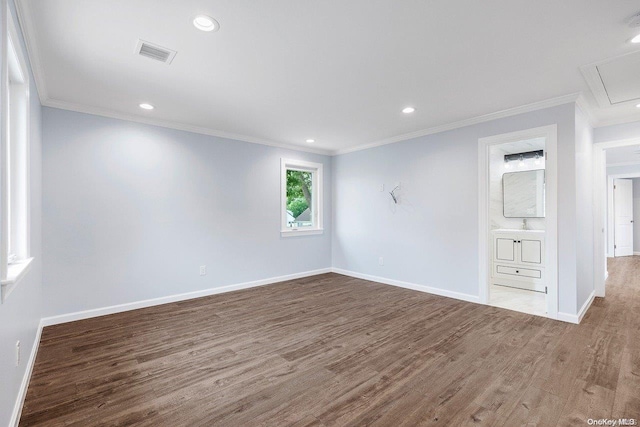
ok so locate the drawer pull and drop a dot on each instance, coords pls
(519, 272)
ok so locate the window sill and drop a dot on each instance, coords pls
(301, 232)
(15, 273)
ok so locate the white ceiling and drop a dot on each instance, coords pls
(336, 71)
(623, 155)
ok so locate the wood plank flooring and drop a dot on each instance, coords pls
(333, 350)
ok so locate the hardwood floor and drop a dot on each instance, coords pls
(333, 350)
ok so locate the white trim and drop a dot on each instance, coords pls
(551, 207)
(553, 102)
(634, 116)
(22, 208)
(64, 105)
(636, 253)
(32, 50)
(413, 286)
(4, 106)
(584, 106)
(317, 197)
(103, 311)
(634, 163)
(15, 273)
(301, 232)
(624, 175)
(24, 385)
(592, 76)
(614, 143)
(22, 7)
(577, 318)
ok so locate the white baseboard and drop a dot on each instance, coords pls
(407, 285)
(86, 314)
(22, 392)
(577, 318)
(636, 253)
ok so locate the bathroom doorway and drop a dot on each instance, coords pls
(518, 221)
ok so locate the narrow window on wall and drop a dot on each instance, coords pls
(15, 165)
(301, 198)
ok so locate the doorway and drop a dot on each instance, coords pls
(622, 215)
(616, 163)
(518, 221)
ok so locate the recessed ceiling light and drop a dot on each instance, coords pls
(408, 110)
(311, 141)
(636, 39)
(206, 23)
(146, 106)
(637, 105)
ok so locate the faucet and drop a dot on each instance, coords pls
(524, 223)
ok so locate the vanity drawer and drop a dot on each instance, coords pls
(517, 271)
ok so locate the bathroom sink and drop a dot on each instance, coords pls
(517, 230)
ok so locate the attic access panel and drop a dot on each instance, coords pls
(615, 81)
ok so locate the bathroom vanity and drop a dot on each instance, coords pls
(518, 259)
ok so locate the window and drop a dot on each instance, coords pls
(15, 260)
(301, 198)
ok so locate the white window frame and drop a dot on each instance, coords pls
(14, 158)
(316, 194)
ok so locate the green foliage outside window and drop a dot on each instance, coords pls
(298, 191)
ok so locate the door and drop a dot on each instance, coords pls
(505, 249)
(531, 251)
(623, 217)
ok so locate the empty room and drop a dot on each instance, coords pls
(319, 213)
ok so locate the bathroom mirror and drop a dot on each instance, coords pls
(523, 194)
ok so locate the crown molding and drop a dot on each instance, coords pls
(97, 111)
(633, 163)
(583, 103)
(28, 34)
(566, 99)
(619, 120)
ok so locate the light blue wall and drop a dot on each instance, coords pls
(20, 314)
(131, 211)
(431, 237)
(584, 209)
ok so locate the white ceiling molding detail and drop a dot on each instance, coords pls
(601, 85)
(561, 100)
(177, 126)
(264, 88)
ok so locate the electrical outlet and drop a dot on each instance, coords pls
(17, 353)
(203, 270)
(381, 261)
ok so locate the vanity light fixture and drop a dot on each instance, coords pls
(521, 157)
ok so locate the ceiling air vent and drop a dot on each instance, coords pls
(154, 51)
